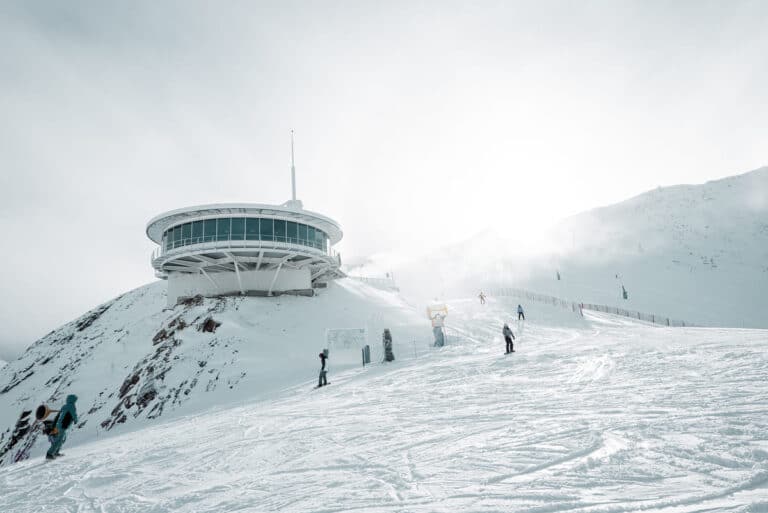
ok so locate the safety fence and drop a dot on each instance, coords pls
(653, 318)
(379, 283)
(539, 298)
(661, 320)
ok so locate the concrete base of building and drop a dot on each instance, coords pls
(250, 283)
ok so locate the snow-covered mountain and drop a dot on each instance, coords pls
(595, 415)
(131, 360)
(698, 253)
(695, 252)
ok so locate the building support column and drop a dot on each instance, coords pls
(274, 278)
(209, 278)
(277, 271)
(237, 271)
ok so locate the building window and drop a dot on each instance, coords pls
(238, 228)
(252, 228)
(209, 230)
(177, 237)
(280, 230)
(265, 229)
(244, 228)
(222, 229)
(197, 232)
(303, 234)
(292, 232)
(186, 233)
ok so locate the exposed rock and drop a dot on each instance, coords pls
(209, 325)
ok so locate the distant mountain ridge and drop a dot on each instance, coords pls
(698, 253)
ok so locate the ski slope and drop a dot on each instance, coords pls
(595, 415)
(132, 361)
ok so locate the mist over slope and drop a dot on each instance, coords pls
(698, 253)
(132, 360)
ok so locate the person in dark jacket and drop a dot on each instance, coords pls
(386, 339)
(66, 418)
(508, 337)
(322, 379)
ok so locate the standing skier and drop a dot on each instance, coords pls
(322, 379)
(508, 337)
(482, 298)
(386, 339)
(64, 420)
(520, 313)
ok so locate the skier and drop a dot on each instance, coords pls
(508, 337)
(322, 379)
(438, 322)
(482, 298)
(64, 420)
(386, 339)
(520, 313)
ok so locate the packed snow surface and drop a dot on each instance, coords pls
(131, 361)
(595, 415)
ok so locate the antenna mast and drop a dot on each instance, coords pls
(293, 171)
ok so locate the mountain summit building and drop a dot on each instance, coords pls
(245, 248)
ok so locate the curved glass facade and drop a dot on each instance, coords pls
(244, 229)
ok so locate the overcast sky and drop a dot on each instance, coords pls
(417, 123)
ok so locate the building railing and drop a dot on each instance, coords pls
(661, 320)
(229, 244)
(190, 241)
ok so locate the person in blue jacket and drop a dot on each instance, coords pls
(64, 420)
(520, 313)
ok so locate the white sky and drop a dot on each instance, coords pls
(417, 124)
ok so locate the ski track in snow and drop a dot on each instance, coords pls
(615, 416)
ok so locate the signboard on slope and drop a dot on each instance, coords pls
(344, 344)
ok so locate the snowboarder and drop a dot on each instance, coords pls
(386, 339)
(64, 420)
(508, 337)
(520, 313)
(482, 298)
(322, 379)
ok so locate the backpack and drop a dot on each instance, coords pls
(49, 426)
(66, 421)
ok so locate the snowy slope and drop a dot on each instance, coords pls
(131, 361)
(598, 416)
(698, 253)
